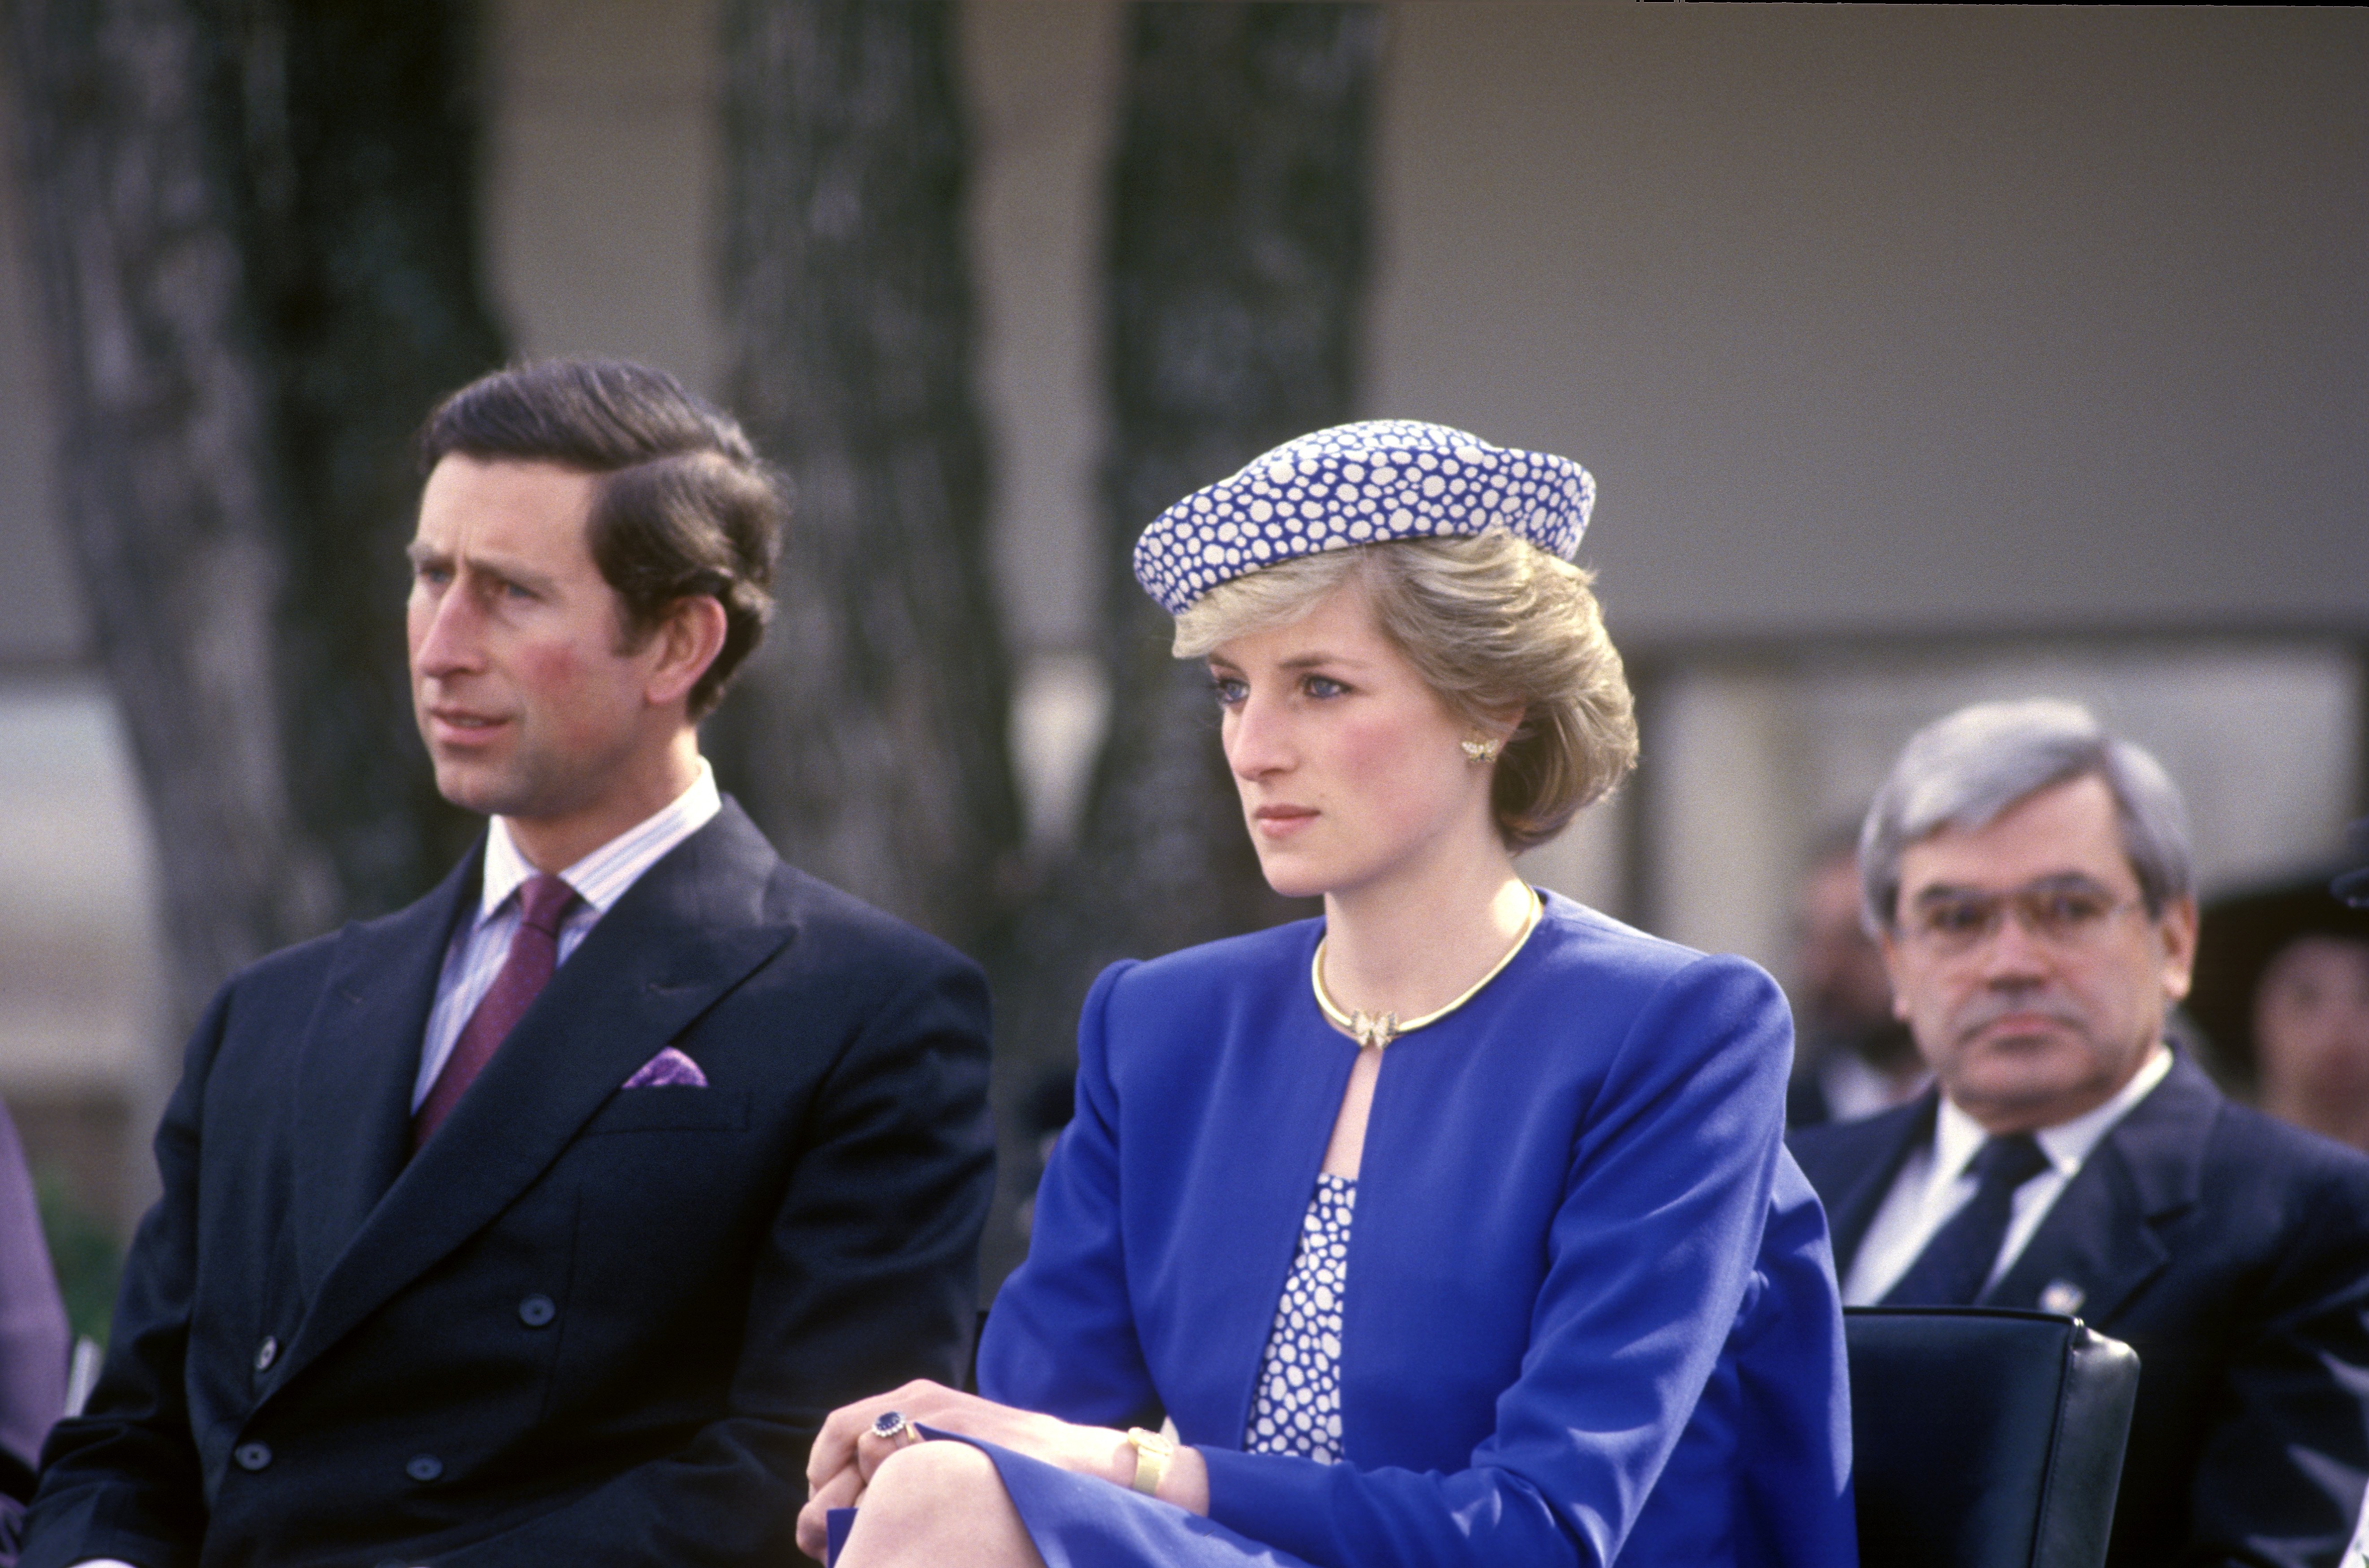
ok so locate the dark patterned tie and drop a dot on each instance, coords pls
(1956, 1264)
(543, 903)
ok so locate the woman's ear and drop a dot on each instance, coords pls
(687, 642)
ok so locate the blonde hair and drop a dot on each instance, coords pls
(1491, 623)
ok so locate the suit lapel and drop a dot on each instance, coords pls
(1892, 1135)
(357, 1067)
(2099, 1242)
(693, 927)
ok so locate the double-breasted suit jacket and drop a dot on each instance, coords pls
(586, 1323)
(2232, 1252)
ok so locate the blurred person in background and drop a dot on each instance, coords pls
(2351, 887)
(2032, 880)
(2282, 993)
(1453, 1228)
(1852, 1057)
(34, 1337)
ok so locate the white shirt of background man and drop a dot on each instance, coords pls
(1934, 1183)
(599, 879)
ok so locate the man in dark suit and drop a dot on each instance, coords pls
(2029, 881)
(545, 1220)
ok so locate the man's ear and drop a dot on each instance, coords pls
(2176, 929)
(1889, 940)
(686, 643)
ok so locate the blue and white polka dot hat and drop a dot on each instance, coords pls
(1358, 485)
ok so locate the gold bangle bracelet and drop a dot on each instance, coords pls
(1152, 1453)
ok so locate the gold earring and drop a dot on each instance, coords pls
(1481, 750)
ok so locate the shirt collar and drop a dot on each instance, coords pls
(602, 877)
(1957, 1136)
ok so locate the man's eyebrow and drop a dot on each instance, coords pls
(2056, 882)
(2063, 881)
(513, 571)
(517, 572)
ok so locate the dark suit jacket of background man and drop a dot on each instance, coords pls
(585, 1324)
(2232, 1252)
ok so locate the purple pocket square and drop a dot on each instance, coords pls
(669, 1068)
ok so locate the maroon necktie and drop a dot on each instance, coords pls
(534, 953)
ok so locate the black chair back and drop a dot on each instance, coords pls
(1985, 1438)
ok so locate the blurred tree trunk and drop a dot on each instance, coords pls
(170, 482)
(1238, 255)
(361, 138)
(240, 252)
(869, 738)
(1237, 262)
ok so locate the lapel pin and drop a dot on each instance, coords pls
(2062, 1296)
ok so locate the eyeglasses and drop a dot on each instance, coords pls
(2067, 915)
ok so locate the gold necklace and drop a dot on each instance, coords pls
(1378, 1029)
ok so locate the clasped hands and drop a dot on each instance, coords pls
(847, 1453)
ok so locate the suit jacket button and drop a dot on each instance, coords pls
(424, 1467)
(265, 1353)
(251, 1456)
(537, 1310)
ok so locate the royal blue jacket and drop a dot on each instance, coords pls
(1590, 1308)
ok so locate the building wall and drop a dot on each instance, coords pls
(1898, 318)
(600, 178)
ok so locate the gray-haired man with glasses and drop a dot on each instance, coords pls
(2028, 876)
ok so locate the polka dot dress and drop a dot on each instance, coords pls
(1359, 484)
(1297, 1410)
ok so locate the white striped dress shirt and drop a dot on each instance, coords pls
(600, 879)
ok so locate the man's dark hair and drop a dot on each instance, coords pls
(683, 507)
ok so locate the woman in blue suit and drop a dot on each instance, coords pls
(1452, 1228)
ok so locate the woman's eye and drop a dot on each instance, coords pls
(1229, 691)
(1322, 686)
